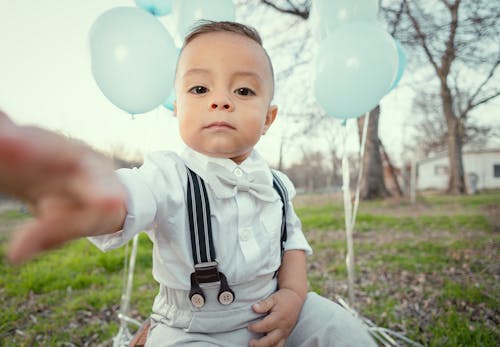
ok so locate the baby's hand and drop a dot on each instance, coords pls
(284, 308)
(71, 189)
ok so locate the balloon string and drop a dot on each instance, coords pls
(123, 301)
(348, 218)
(361, 166)
(130, 278)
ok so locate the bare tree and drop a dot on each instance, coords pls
(310, 173)
(460, 41)
(301, 10)
(335, 178)
(372, 180)
(431, 132)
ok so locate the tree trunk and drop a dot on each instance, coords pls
(372, 180)
(280, 161)
(395, 189)
(336, 176)
(456, 183)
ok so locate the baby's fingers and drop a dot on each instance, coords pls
(35, 237)
(60, 220)
(265, 325)
(273, 339)
(265, 305)
(4, 120)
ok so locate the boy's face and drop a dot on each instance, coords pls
(224, 88)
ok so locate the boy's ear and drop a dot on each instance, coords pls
(174, 112)
(270, 117)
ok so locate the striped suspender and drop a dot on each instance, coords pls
(202, 245)
(282, 192)
(199, 220)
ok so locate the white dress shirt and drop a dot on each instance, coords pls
(246, 230)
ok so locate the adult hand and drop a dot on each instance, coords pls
(283, 308)
(71, 190)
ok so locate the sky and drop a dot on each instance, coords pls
(46, 80)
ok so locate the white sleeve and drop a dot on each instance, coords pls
(146, 188)
(295, 236)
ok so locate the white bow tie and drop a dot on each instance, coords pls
(226, 184)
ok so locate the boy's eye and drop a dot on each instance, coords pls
(244, 91)
(198, 90)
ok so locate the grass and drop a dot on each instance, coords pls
(69, 295)
(430, 270)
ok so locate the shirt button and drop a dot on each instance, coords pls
(245, 234)
(238, 172)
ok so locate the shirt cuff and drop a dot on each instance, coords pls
(298, 241)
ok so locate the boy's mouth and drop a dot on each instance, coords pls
(219, 125)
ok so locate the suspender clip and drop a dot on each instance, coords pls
(226, 294)
(196, 293)
(207, 272)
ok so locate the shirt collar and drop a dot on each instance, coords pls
(198, 162)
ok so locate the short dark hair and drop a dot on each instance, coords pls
(207, 26)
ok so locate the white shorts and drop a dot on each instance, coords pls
(175, 321)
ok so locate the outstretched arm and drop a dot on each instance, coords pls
(72, 190)
(283, 306)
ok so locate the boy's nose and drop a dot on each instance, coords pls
(222, 103)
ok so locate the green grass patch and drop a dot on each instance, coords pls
(469, 293)
(465, 201)
(69, 286)
(13, 215)
(72, 294)
(423, 256)
(377, 222)
(455, 329)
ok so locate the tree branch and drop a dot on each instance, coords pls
(421, 37)
(485, 100)
(446, 3)
(471, 104)
(399, 12)
(459, 99)
(449, 53)
(304, 14)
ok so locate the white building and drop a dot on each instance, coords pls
(482, 167)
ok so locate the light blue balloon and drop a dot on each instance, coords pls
(402, 61)
(327, 15)
(133, 59)
(354, 68)
(155, 7)
(186, 13)
(169, 104)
